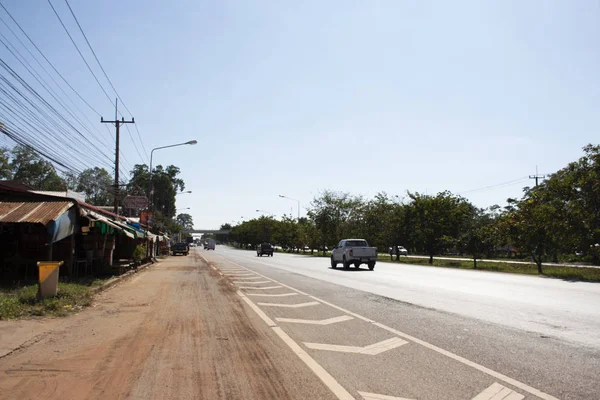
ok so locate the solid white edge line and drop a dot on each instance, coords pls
(480, 368)
(257, 310)
(329, 381)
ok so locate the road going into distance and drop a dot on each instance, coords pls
(416, 332)
(228, 325)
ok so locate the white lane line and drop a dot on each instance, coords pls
(329, 381)
(271, 295)
(328, 321)
(375, 396)
(371, 350)
(299, 305)
(251, 283)
(238, 275)
(257, 310)
(498, 392)
(479, 367)
(259, 288)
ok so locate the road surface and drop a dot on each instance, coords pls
(226, 324)
(427, 333)
(550, 307)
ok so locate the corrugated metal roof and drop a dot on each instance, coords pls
(69, 194)
(32, 212)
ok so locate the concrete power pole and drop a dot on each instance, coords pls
(117, 126)
(536, 176)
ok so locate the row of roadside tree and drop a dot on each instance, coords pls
(555, 221)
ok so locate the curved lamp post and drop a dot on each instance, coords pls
(289, 198)
(150, 188)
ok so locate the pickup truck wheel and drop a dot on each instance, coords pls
(333, 263)
(372, 265)
(345, 263)
(356, 265)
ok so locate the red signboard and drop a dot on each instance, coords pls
(145, 217)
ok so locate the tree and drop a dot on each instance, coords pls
(30, 169)
(335, 216)
(96, 184)
(185, 220)
(530, 227)
(5, 167)
(478, 238)
(165, 185)
(437, 221)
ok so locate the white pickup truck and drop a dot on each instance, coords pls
(353, 251)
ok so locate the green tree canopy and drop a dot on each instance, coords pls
(185, 220)
(96, 184)
(31, 169)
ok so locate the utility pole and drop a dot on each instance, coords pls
(536, 176)
(117, 126)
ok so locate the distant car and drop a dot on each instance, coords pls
(353, 251)
(209, 244)
(264, 248)
(180, 248)
(397, 250)
(192, 244)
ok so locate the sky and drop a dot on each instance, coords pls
(293, 98)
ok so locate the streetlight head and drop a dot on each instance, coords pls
(192, 142)
(281, 195)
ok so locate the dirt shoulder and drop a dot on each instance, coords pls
(175, 331)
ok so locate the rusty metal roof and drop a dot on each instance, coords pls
(32, 212)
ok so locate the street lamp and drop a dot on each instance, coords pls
(179, 209)
(266, 212)
(177, 194)
(289, 198)
(191, 142)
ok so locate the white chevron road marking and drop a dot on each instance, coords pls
(299, 305)
(272, 295)
(498, 392)
(375, 396)
(328, 321)
(371, 350)
(259, 288)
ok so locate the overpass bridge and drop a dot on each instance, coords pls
(210, 231)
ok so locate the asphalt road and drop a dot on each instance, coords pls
(425, 333)
(550, 307)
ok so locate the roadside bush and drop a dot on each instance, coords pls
(139, 253)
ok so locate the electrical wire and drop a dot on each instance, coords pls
(79, 51)
(513, 182)
(123, 157)
(106, 76)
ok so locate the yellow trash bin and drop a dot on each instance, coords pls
(48, 278)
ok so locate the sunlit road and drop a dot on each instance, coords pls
(424, 333)
(550, 307)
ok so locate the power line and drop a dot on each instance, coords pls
(515, 181)
(40, 80)
(107, 78)
(47, 60)
(79, 51)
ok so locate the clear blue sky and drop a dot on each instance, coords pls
(288, 97)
